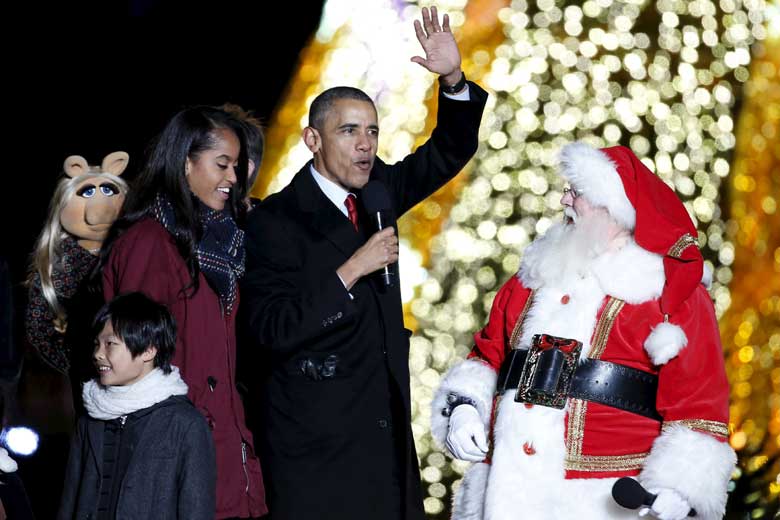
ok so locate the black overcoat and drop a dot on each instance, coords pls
(336, 408)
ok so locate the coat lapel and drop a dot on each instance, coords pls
(323, 216)
(325, 219)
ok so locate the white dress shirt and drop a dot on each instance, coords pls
(335, 193)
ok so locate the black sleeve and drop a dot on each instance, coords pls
(452, 144)
(197, 482)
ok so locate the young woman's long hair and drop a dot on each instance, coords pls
(186, 136)
(48, 247)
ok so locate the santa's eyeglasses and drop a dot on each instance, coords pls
(568, 190)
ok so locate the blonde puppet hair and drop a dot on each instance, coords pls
(48, 248)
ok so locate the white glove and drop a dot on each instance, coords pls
(668, 505)
(7, 464)
(466, 438)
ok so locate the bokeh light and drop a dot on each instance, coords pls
(665, 78)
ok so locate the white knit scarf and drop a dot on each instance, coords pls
(111, 402)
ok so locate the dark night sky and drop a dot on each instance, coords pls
(91, 90)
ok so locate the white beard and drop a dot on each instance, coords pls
(567, 250)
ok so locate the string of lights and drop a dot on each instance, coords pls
(663, 77)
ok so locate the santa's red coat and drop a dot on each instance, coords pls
(548, 463)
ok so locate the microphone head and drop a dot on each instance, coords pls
(629, 493)
(375, 197)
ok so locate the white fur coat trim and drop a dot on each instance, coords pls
(695, 465)
(593, 173)
(632, 274)
(469, 500)
(706, 277)
(470, 378)
(534, 486)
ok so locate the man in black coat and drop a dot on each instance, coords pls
(337, 436)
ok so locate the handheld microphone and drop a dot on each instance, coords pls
(376, 200)
(630, 494)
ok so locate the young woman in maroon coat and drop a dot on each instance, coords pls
(177, 240)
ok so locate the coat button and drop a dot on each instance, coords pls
(528, 448)
(382, 423)
(565, 299)
(528, 405)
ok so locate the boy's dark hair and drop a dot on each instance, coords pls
(140, 322)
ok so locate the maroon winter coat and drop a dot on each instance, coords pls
(145, 259)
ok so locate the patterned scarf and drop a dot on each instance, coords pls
(220, 252)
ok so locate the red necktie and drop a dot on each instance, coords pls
(349, 202)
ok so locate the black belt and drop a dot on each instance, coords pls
(603, 382)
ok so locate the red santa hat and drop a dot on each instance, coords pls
(614, 178)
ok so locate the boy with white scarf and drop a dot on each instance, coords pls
(143, 451)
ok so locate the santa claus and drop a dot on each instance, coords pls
(601, 359)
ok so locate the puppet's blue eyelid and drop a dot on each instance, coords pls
(87, 191)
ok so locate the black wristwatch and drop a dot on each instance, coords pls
(453, 89)
(454, 400)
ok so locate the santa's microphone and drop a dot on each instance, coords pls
(630, 494)
(376, 200)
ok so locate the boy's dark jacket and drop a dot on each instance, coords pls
(171, 473)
